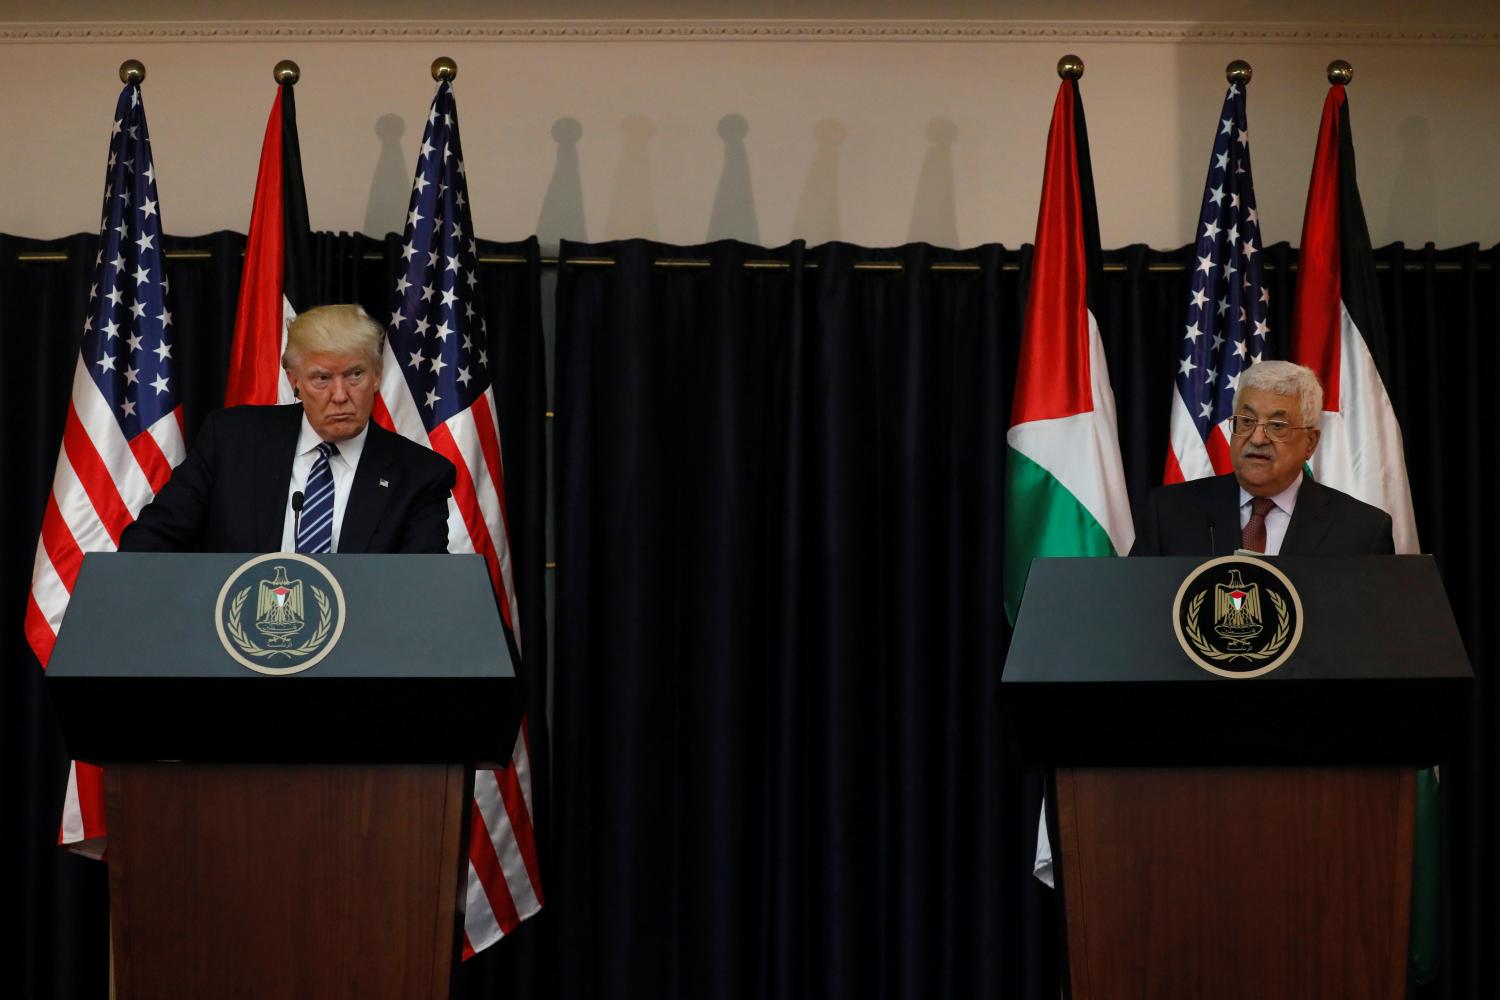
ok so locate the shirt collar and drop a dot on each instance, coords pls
(349, 450)
(1285, 500)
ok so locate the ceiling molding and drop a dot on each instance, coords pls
(748, 31)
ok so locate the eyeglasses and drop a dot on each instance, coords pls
(1277, 430)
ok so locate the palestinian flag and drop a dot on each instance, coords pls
(1338, 331)
(1064, 481)
(274, 285)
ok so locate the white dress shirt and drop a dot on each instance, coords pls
(1277, 518)
(341, 465)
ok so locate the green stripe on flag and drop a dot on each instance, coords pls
(1042, 519)
(1426, 862)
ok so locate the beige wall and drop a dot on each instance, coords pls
(879, 137)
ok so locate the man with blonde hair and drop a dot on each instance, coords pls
(314, 476)
(1268, 504)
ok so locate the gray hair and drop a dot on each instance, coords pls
(1284, 379)
(340, 329)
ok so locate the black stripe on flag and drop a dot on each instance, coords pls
(1093, 258)
(296, 230)
(1360, 294)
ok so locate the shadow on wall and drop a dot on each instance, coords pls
(1412, 194)
(817, 216)
(562, 207)
(733, 215)
(632, 204)
(934, 215)
(390, 188)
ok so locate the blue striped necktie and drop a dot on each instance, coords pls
(315, 530)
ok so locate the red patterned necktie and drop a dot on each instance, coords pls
(1253, 535)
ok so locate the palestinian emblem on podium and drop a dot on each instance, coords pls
(280, 613)
(1238, 616)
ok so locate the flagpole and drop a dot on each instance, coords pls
(132, 74)
(1069, 67)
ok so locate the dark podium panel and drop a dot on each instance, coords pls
(420, 672)
(1095, 674)
(297, 834)
(1241, 837)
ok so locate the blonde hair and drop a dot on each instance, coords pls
(340, 329)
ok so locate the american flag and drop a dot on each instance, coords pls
(437, 389)
(123, 432)
(1226, 329)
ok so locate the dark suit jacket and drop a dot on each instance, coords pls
(1180, 520)
(230, 493)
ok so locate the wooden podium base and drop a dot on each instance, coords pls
(300, 881)
(1236, 882)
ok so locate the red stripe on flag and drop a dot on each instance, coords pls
(254, 358)
(489, 443)
(1218, 450)
(520, 824)
(1316, 323)
(1052, 373)
(1173, 473)
(38, 633)
(62, 548)
(90, 799)
(95, 477)
(148, 455)
(382, 416)
(442, 442)
(487, 867)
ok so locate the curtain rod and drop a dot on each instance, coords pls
(698, 263)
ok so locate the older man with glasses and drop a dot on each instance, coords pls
(1269, 504)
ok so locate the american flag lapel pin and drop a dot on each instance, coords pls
(385, 483)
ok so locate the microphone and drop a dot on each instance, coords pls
(296, 518)
(1211, 549)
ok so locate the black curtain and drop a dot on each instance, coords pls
(57, 903)
(778, 764)
(778, 767)
(778, 770)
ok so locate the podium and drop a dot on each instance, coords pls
(289, 746)
(1243, 831)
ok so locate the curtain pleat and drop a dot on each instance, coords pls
(58, 903)
(852, 647)
(776, 768)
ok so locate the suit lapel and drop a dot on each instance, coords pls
(367, 497)
(1225, 515)
(274, 455)
(1310, 521)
